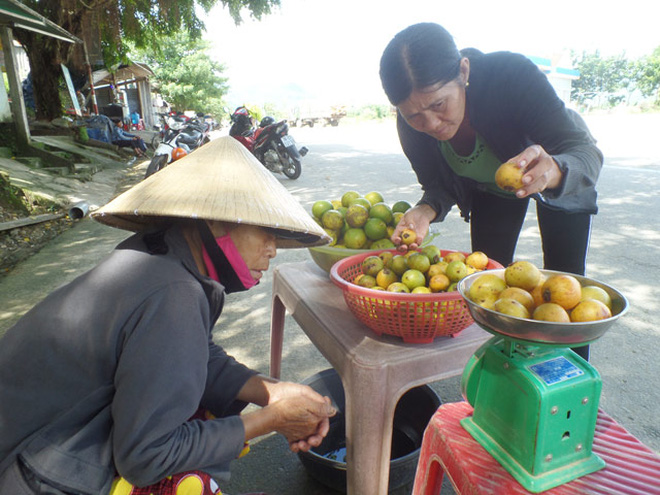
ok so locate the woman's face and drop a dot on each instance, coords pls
(255, 244)
(438, 110)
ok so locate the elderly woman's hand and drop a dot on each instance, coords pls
(296, 411)
(541, 171)
(418, 218)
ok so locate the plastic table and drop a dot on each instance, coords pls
(375, 371)
(631, 467)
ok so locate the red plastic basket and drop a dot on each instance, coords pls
(416, 318)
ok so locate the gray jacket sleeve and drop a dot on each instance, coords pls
(161, 377)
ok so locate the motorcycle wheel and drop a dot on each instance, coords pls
(293, 169)
(157, 163)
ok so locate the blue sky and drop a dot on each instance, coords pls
(327, 51)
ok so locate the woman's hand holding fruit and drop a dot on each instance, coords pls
(417, 219)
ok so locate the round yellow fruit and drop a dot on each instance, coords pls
(357, 215)
(454, 256)
(564, 290)
(551, 312)
(522, 274)
(520, 295)
(597, 293)
(413, 278)
(355, 238)
(398, 287)
(477, 259)
(510, 307)
(509, 177)
(332, 219)
(590, 310)
(456, 270)
(386, 277)
(439, 282)
(408, 236)
(486, 287)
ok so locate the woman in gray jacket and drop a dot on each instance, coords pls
(102, 382)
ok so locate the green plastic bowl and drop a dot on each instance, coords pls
(326, 256)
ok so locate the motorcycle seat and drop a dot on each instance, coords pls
(190, 138)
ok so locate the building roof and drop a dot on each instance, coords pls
(17, 16)
(133, 71)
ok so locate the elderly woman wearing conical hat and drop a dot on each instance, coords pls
(102, 383)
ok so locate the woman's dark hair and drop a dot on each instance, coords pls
(420, 56)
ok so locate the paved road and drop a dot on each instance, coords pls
(624, 253)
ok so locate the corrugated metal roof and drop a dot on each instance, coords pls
(17, 16)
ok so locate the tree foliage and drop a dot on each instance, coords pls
(186, 76)
(614, 79)
(121, 24)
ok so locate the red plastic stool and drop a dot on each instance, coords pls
(632, 468)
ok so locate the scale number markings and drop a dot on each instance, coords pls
(556, 370)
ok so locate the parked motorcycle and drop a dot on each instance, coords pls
(270, 142)
(178, 142)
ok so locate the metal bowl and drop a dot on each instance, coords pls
(543, 332)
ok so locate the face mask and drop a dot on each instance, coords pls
(223, 262)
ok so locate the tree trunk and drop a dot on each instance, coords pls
(43, 54)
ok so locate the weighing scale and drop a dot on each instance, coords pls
(535, 401)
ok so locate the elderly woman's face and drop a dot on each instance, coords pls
(256, 245)
(438, 110)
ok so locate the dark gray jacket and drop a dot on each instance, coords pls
(103, 374)
(511, 105)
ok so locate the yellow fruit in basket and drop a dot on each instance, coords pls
(453, 287)
(348, 197)
(564, 290)
(422, 289)
(486, 287)
(439, 282)
(590, 310)
(398, 287)
(522, 274)
(454, 256)
(375, 229)
(520, 295)
(477, 259)
(436, 268)
(357, 215)
(597, 293)
(336, 204)
(333, 220)
(320, 207)
(396, 217)
(366, 281)
(509, 176)
(386, 256)
(413, 278)
(408, 236)
(419, 261)
(399, 264)
(510, 307)
(371, 265)
(551, 312)
(382, 211)
(386, 277)
(355, 238)
(456, 270)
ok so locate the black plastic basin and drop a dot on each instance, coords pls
(326, 463)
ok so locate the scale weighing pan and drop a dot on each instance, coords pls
(543, 332)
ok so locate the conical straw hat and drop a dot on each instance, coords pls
(222, 181)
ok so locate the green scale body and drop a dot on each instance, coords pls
(535, 410)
